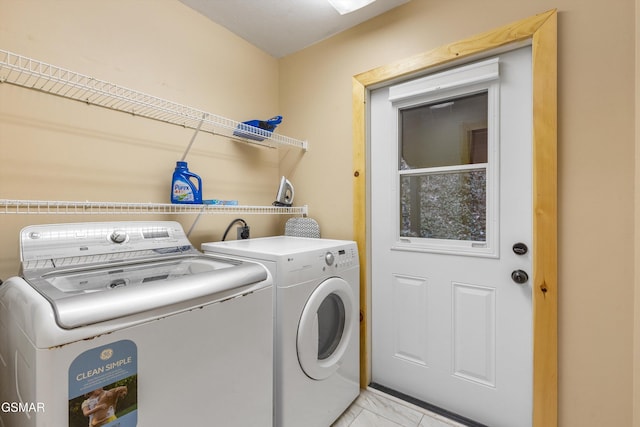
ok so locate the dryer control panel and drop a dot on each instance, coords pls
(304, 266)
(341, 257)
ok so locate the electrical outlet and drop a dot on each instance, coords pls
(243, 232)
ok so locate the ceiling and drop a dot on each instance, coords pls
(282, 27)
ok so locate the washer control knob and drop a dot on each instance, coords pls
(329, 258)
(118, 236)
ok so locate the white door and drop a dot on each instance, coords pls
(451, 236)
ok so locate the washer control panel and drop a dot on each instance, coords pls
(119, 236)
(45, 246)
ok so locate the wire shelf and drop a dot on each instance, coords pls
(32, 74)
(48, 207)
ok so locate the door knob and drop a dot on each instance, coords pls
(519, 276)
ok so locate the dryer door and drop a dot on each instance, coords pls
(326, 328)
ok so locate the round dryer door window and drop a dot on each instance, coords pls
(325, 328)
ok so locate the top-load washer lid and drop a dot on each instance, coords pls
(74, 281)
(94, 272)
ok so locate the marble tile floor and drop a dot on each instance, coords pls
(374, 408)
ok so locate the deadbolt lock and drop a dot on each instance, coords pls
(520, 248)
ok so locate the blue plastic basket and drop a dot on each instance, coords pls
(257, 130)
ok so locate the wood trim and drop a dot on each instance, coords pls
(545, 224)
(541, 31)
(359, 218)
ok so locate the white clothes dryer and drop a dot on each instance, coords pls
(317, 369)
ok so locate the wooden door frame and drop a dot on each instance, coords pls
(540, 31)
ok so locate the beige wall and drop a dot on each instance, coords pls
(636, 330)
(56, 149)
(596, 167)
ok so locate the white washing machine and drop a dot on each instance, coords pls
(126, 324)
(317, 323)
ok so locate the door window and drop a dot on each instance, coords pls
(447, 162)
(444, 133)
(444, 205)
(443, 169)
